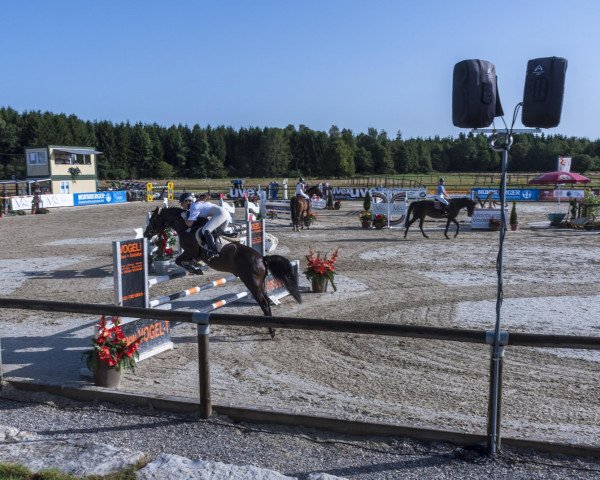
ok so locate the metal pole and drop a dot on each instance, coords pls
(494, 427)
(203, 372)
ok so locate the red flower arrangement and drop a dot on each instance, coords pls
(112, 347)
(321, 266)
(165, 243)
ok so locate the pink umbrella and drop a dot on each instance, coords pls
(559, 178)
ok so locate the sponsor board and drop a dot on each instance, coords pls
(512, 194)
(344, 193)
(48, 201)
(482, 216)
(98, 198)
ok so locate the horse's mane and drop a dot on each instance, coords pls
(315, 190)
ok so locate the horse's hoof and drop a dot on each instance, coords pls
(272, 333)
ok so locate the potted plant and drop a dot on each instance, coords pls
(379, 221)
(367, 201)
(495, 224)
(514, 221)
(162, 258)
(320, 270)
(74, 172)
(366, 217)
(111, 353)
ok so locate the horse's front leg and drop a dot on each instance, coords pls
(447, 227)
(457, 227)
(421, 226)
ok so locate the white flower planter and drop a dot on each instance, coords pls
(161, 267)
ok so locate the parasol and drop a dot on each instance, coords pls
(559, 178)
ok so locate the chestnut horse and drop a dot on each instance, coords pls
(244, 262)
(422, 208)
(299, 208)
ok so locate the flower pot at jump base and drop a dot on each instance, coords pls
(379, 226)
(365, 223)
(514, 227)
(161, 267)
(556, 218)
(319, 284)
(105, 376)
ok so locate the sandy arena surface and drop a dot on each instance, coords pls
(550, 286)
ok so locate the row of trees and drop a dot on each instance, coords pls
(154, 151)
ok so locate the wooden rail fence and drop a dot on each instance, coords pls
(357, 327)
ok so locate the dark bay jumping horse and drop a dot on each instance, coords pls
(299, 208)
(422, 208)
(244, 262)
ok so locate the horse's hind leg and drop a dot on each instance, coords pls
(421, 226)
(261, 298)
(410, 222)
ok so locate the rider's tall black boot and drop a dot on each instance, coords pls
(209, 240)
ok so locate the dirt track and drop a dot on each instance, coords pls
(550, 286)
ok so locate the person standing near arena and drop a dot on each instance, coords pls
(219, 217)
(36, 203)
(442, 196)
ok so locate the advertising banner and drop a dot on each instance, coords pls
(482, 216)
(346, 193)
(512, 194)
(564, 164)
(98, 198)
(48, 201)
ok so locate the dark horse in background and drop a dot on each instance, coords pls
(244, 262)
(299, 208)
(427, 208)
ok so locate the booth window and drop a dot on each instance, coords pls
(36, 158)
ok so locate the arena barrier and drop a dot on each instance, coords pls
(390, 204)
(159, 192)
(282, 207)
(132, 284)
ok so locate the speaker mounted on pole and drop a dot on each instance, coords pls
(544, 91)
(475, 99)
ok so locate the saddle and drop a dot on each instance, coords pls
(440, 206)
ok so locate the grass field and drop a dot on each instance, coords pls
(455, 182)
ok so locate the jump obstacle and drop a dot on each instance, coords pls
(132, 284)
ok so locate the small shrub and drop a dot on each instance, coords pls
(513, 214)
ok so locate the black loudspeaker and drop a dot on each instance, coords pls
(475, 100)
(544, 90)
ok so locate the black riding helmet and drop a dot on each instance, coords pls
(186, 196)
(441, 180)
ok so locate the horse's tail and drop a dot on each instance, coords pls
(408, 212)
(282, 270)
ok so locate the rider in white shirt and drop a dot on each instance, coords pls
(219, 217)
(300, 186)
(441, 195)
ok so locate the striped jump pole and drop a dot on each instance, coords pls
(191, 291)
(234, 297)
(165, 278)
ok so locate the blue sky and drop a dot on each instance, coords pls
(355, 64)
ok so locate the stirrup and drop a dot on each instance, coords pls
(210, 255)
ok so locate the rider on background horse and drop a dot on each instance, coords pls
(300, 187)
(442, 196)
(219, 217)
